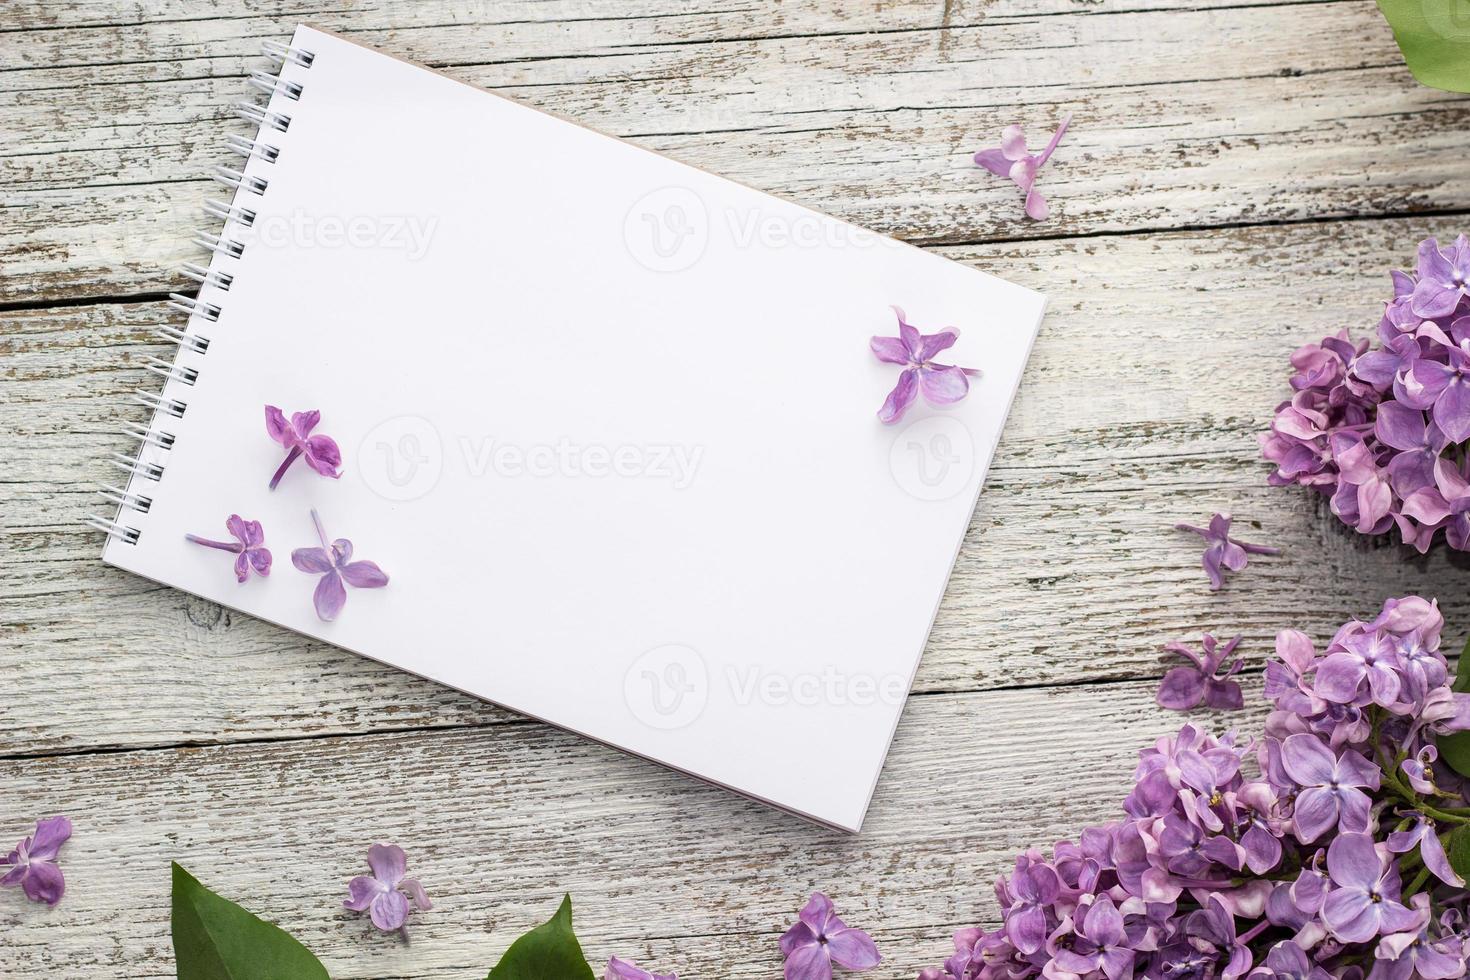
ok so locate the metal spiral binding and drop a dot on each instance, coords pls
(252, 148)
(218, 245)
(261, 116)
(233, 178)
(229, 212)
(208, 277)
(193, 306)
(271, 84)
(154, 441)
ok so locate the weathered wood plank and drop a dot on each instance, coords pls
(1184, 117)
(1160, 359)
(499, 824)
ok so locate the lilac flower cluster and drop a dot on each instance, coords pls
(1382, 431)
(1315, 852)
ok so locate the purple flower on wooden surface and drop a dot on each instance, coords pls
(819, 939)
(1201, 683)
(1222, 552)
(382, 894)
(294, 434)
(1312, 864)
(333, 562)
(1383, 432)
(623, 970)
(32, 865)
(248, 547)
(1011, 159)
(940, 384)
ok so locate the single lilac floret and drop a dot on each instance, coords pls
(1222, 552)
(32, 865)
(1012, 159)
(1201, 683)
(248, 547)
(819, 939)
(321, 452)
(940, 384)
(333, 562)
(385, 894)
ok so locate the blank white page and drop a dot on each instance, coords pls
(608, 423)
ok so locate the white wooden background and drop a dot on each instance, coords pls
(1238, 179)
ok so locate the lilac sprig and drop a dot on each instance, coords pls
(1314, 852)
(1382, 430)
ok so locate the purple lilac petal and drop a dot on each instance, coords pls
(624, 970)
(330, 596)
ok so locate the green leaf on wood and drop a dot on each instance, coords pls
(547, 952)
(215, 939)
(1434, 36)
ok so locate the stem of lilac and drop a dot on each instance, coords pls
(1250, 934)
(231, 546)
(281, 470)
(1051, 146)
(320, 531)
(1416, 884)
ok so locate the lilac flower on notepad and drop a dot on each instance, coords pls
(32, 865)
(623, 970)
(1222, 552)
(248, 547)
(940, 384)
(819, 939)
(321, 452)
(1012, 160)
(381, 894)
(333, 562)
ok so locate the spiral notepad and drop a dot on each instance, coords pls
(608, 423)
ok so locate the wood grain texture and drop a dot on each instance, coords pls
(1238, 180)
(1184, 117)
(500, 823)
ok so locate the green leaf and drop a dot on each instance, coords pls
(1434, 36)
(1462, 672)
(215, 939)
(547, 952)
(1457, 847)
(1454, 749)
